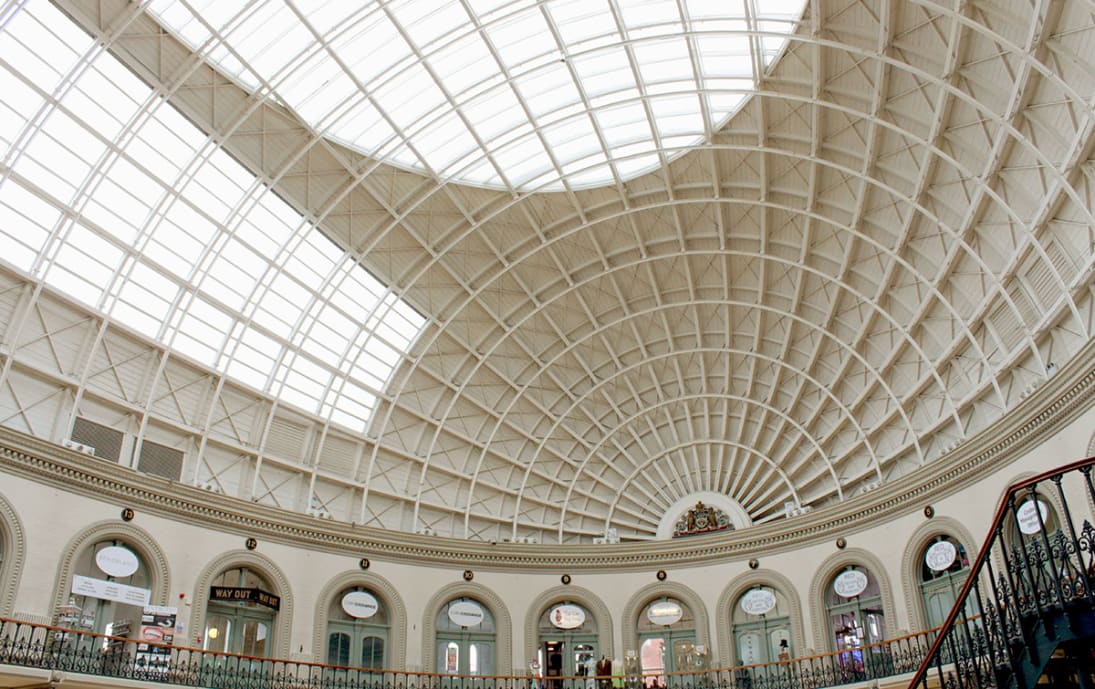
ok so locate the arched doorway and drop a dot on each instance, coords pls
(943, 569)
(357, 630)
(667, 642)
(241, 614)
(466, 639)
(762, 626)
(101, 609)
(856, 618)
(567, 641)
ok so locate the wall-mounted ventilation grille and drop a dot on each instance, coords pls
(106, 440)
(160, 460)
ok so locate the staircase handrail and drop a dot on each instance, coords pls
(982, 554)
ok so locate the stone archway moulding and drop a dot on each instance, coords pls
(828, 569)
(13, 542)
(503, 624)
(911, 561)
(134, 537)
(263, 566)
(724, 613)
(650, 592)
(388, 595)
(569, 594)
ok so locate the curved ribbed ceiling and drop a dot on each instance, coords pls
(879, 255)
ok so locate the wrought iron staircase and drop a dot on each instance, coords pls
(1025, 617)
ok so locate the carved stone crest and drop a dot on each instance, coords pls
(701, 519)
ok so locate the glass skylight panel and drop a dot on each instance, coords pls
(581, 20)
(428, 20)
(725, 55)
(143, 249)
(26, 220)
(521, 39)
(456, 63)
(472, 48)
(548, 90)
(270, 38)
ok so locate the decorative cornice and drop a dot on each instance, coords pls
(1058, 402)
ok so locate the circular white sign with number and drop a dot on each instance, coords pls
(466, 613)
(940, 556)
(1028, 518)
(360, 604)
(664, 613)
(567, 616)
(851, 583)
(758, 602)
(117, 561)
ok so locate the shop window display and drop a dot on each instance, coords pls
(856, 619)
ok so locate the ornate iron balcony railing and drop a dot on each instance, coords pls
(55, 648)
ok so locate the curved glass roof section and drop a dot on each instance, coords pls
(109, 195)
(514, 94)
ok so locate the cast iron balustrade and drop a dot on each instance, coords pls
(1025, 615)
(69, 651)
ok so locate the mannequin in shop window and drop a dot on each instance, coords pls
(604, 672)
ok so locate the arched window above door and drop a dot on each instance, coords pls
(357, 630)
(466, 642)
(241, 614)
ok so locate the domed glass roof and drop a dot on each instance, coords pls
(864, 269)
(504, 93)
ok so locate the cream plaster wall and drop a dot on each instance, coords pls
(50, 518)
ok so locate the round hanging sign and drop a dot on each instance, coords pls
(1029, 523)
(850, 584)
(466, 613)
(117, 561)
(568, 616)
(758, 602)
(360, 604)
(664, 613)
(940, 556)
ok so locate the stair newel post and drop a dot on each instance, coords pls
(1055, 572)
(1085, 580)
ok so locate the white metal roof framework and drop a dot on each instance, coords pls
(879, 255)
